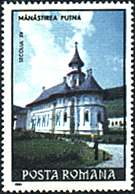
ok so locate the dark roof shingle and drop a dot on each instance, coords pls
(58, 89)
(76, 59)
(89, 85)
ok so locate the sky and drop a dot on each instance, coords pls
(48, 47)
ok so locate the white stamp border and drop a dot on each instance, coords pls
(72, 185)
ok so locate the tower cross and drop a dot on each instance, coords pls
(76, 43)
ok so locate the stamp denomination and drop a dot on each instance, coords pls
(67, 97)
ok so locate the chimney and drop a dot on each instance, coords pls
(89, 72)
(64, 79)
(43, 88)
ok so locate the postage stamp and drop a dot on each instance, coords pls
(67, 96)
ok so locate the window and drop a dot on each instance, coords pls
(99, 117)
(74, 82)
(58, 115)
(47, 123)
(93, 98)
(78, 117)
(86, 116)
(120, 123)
(90, 98)
(64, 100)
(33, 121)
(38, 121)
(85, 98)
(112, 123)
(116, 123)
(43, 120)
(65, 117)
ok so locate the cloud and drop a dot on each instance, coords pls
(80, 30)
(21, 93)
(50, 61)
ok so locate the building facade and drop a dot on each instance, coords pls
(19, 118)
(116, 123)
(74, 106)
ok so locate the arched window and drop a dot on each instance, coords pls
(64, 100)
(57, 121)
(43, 120)
(116, 123)
(38, 121)
(99, 117)
(73, 81)
(65, 117)
(86, 116)
(78, 116)
(47, 120)
(112, 123)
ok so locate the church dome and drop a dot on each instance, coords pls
(74, 83)
(76, 60)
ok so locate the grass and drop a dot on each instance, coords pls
(114, 136)
(44, 153)
(115, 107)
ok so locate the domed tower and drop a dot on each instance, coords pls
(76, 76)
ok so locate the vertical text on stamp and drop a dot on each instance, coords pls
(21, 47)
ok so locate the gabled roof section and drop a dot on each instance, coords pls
(76, 60)
(46, 94)
(90, 84)
(19, 110)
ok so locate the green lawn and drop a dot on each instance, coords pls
(45, 153)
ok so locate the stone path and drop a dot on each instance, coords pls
(117, 152)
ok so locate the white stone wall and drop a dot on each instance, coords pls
(89, 119)
(90, 105)
(62, 107)
(57, 115)
(20, 122)
(116, 122)
(41, 117)
(28, 121)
